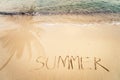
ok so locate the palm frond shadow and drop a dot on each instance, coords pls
(16, 40)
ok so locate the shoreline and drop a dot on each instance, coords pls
(68, 18)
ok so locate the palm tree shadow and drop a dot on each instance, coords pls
(17, 39)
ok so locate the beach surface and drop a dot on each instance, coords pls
(60, 35)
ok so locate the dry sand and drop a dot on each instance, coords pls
(61, 35)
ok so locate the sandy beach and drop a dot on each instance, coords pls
(59, 35)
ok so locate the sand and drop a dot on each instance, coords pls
(60, 35)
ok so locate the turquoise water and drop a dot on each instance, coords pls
(61, 6)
